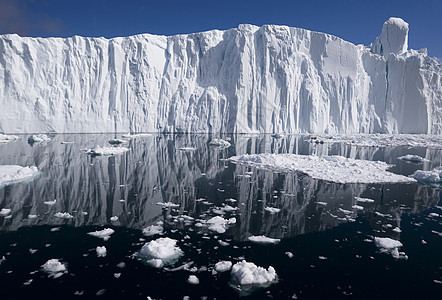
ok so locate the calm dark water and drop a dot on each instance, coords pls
(333, 251)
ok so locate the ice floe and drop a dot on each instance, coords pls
(413, 158)
(247, 273)
(38, 138)
(390, 246)
(103, 234)
(54, 268)
(193, 279)
(160, 252)
(223, 266)
(4, 212)
(101, 251)
(106, 151)
(10, 174)
(219, 224)
(63, 215)
(272, 210)
(6, 138)
(219, 143)
(153, 230)
(330, 168)
(261, 239)
(433, 176)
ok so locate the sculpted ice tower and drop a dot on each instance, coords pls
(269, 79)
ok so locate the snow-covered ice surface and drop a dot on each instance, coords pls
(97, 150)
(10, 174)
(269, 79)
(163, 251)
(330, 168)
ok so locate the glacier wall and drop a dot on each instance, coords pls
(248, 79)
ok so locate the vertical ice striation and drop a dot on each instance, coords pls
(269, 79)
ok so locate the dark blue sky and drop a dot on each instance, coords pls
(356, 21)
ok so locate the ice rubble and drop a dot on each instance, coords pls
(269, 79)
(160, 252)
(11, 173)
(6, 138)
(330, 168)
(433, 176)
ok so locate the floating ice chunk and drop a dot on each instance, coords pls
(66, 142)
(117, 142)
(164, 249)
(153, 230)
(54, 268)
(413, 158)
(219, 224)
(433, 176)
(10, 174)
(247, 273)
(289, 254)
(382, 215)
(219, 143)
(365, 200)
(261, 239)
(167, 204)
(31, 216)
(103, 234)
(272, 210)
(135, 135)
(330, 168)
(187, 149)
(357, 207)
(387, 243)
(50, 202)
(4, 212)
(193, 279)
(105, 151)
(64, 215)
(101, 251)
(223, 266)
(5, 138)
(322, 203)
(114, 218)
(278, 135)
(397, 229)
(38, 138)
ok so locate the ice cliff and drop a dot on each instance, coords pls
(248, 79)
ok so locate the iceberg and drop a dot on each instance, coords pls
(10, 174)
(249, 79)
(160, 252)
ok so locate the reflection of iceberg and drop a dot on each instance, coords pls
(156, 171)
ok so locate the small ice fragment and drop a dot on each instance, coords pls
(397, 229)
(104, 234)
(381, 214)
(357, 207)
(219, 143)
(263, 240)
(193, 279)
(4, 212)
(247, 273)
(106, 151)
(117, 142)
(289, 254)
(121, 265)
(366, 200)
(32, 251)
(321, 203)
(222, 243)
(114, 218)
(272, 210)
(32, 216)
(167, 204)
(153, 230)
(323, 257)
(223, 266)
(413, 158)
(50, 202)
(117, 275)
(54, 268)
(187, 149)
(64, 215)
(101, 251)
